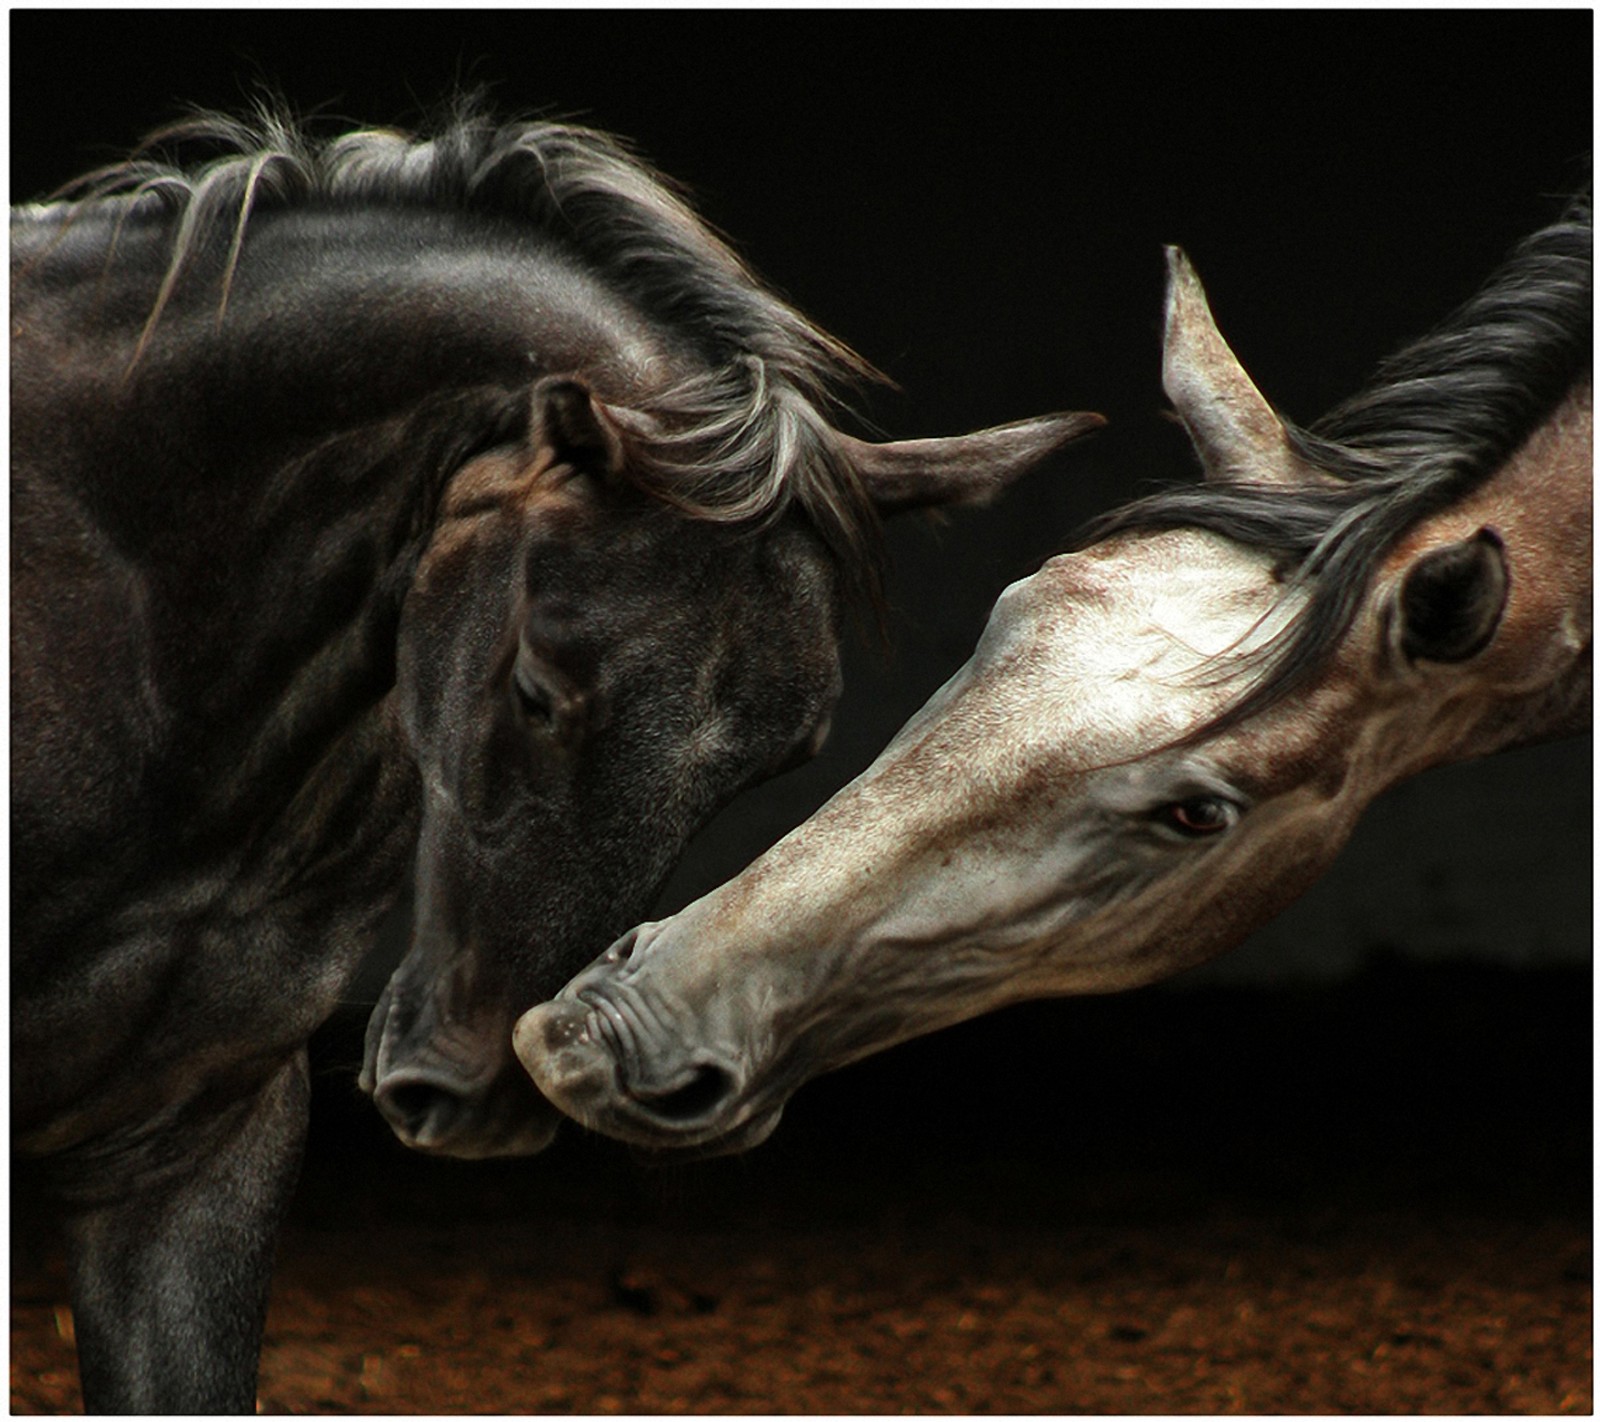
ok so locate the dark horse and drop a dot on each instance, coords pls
(366, 494)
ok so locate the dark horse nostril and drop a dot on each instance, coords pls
(706, 1089)
(421, 1110)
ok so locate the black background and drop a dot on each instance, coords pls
(977, 203)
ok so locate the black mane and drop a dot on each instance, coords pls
(1439, 418)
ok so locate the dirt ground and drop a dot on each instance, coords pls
(1369, 1199)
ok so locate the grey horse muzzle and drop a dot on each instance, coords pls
(609, 1057)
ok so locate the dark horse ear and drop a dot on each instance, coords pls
(571, 424)
(1452, 599)
(963, 469)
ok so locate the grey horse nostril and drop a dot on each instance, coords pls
(622, 949)
(707, 1088)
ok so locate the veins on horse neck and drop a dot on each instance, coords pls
(331, 545)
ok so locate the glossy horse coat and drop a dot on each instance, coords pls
(366, 493)
(1161, 739)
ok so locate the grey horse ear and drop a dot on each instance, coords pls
(1452, 598)
(1235, 432)
(962, 469)
(568, 422)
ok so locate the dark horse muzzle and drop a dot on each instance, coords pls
(451, 1088)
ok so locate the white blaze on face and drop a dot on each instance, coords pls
(1008, 785)
(1140, 640)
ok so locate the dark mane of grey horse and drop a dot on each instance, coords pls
(737, 442)
(1440, 417)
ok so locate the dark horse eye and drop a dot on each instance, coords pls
(1199, 817)
(533, 699)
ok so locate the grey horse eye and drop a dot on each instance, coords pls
(1199, 817)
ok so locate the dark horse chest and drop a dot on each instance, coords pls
(185, 953)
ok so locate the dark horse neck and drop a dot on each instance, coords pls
(248, 575)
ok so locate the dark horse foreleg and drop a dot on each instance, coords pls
(169, 1286)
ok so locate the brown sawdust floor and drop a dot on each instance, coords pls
(1373, 1199)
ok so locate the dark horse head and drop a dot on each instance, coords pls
(586, 673)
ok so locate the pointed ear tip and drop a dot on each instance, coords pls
(1058, 423)
(1181, 273)
(1070, 424)
(1184, 292)
(1058, 428)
